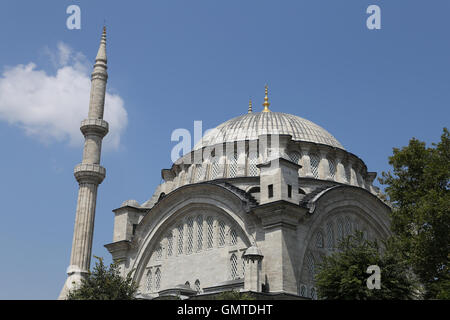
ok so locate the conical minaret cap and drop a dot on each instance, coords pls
(266, 103)
(101, 55)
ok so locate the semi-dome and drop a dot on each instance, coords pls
(251, 125)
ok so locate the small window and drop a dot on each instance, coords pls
(270, 190)
(233, 267)
(134, 228)
(289, 191)
(149, 281)
(158, 279)
(234, 237)
(197, 286)
(187, 284)
(221, 233)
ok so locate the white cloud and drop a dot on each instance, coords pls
(51, 107)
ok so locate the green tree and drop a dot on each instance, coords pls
(234, 295)
(105, 284)
(418, 189)
(343, 276)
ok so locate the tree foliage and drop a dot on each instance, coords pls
(234, 295)
(418, 188)
(343, 276)
(105, 284)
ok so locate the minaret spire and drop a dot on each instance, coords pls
(266, 103)
(89, 173)
(250, 106)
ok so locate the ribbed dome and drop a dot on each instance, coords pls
(249, 126)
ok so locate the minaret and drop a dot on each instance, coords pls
(89, 173)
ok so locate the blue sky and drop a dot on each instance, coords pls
(173, 62)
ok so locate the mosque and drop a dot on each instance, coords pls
(253, 207)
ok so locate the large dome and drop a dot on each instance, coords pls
(249, 126)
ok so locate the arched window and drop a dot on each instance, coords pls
(347, 173)
(197, 286)
(319, 239)
(187, 284)
(232, 165)
(310, 267)
(157, 279)
(210, 232)
(200, 172)
(233, 237)
(314, 161)
(340, 229)
(180, 239)
(313, 294)
(302, 290)
(233, 267)
(332, 167)
(169, 244)
(159, 252)
(215, 166)
(330, 236)
(148, 286)
(221, 233)
(348, 226)
(190, 235)
(243, 264)
(252, 168)
(199, 233)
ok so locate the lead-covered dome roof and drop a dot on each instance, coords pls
(251, 125)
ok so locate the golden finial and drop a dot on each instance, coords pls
(266, 103)
(250, 106)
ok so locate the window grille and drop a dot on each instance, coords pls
(169, 244)
(180, 239)
(190, 234)
(197, 286)
(348, 173)
(314, 161)
(319, 240)
(332, 167)
(252, 168)
(214, 168)
(348, 226)
(149, 282)
(199, 233)
(233, 237)
(243, 265)
(303, 292)
(221, 233)
(313, 294)
(233, 266)
(200, 171)
(210, 232)
(340, 229)
(159, 252)
(330, 237)
(232, 166)
(157, 279)
(294, 156)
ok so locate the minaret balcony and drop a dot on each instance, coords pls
(97, 127)
(89, 173)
